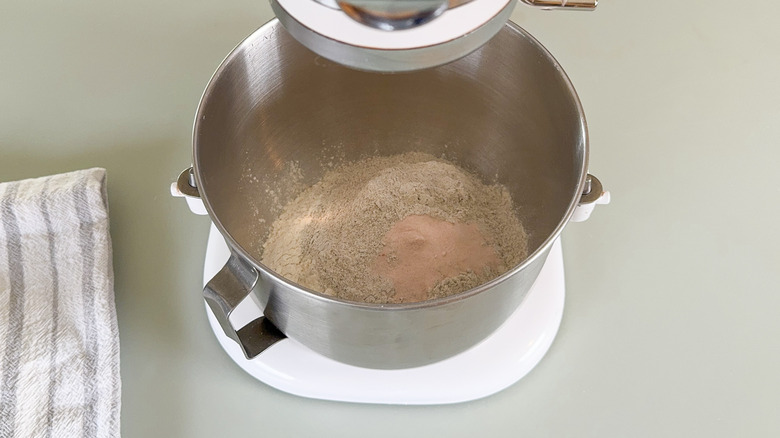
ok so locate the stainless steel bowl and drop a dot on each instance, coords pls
(506, 111)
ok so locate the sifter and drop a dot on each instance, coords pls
(400, 35)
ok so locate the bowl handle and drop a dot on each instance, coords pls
(223, 293)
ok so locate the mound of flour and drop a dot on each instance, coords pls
(396, 229)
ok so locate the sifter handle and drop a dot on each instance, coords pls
(575, 5)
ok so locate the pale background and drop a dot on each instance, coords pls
(671, 322)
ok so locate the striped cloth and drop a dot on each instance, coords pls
(59, 344)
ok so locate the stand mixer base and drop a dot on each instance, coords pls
(497, 362)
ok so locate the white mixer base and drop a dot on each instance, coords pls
(500, 360)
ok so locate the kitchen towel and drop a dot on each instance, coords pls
(59, 342)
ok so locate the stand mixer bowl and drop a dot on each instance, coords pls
(275, 116)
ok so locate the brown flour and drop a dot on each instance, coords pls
(396, 229)
(421, 251)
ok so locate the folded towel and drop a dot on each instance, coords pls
(59, 344)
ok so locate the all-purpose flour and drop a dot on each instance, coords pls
(396, 229)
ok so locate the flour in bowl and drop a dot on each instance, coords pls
(398, 229)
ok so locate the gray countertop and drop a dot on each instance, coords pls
(671, 322)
